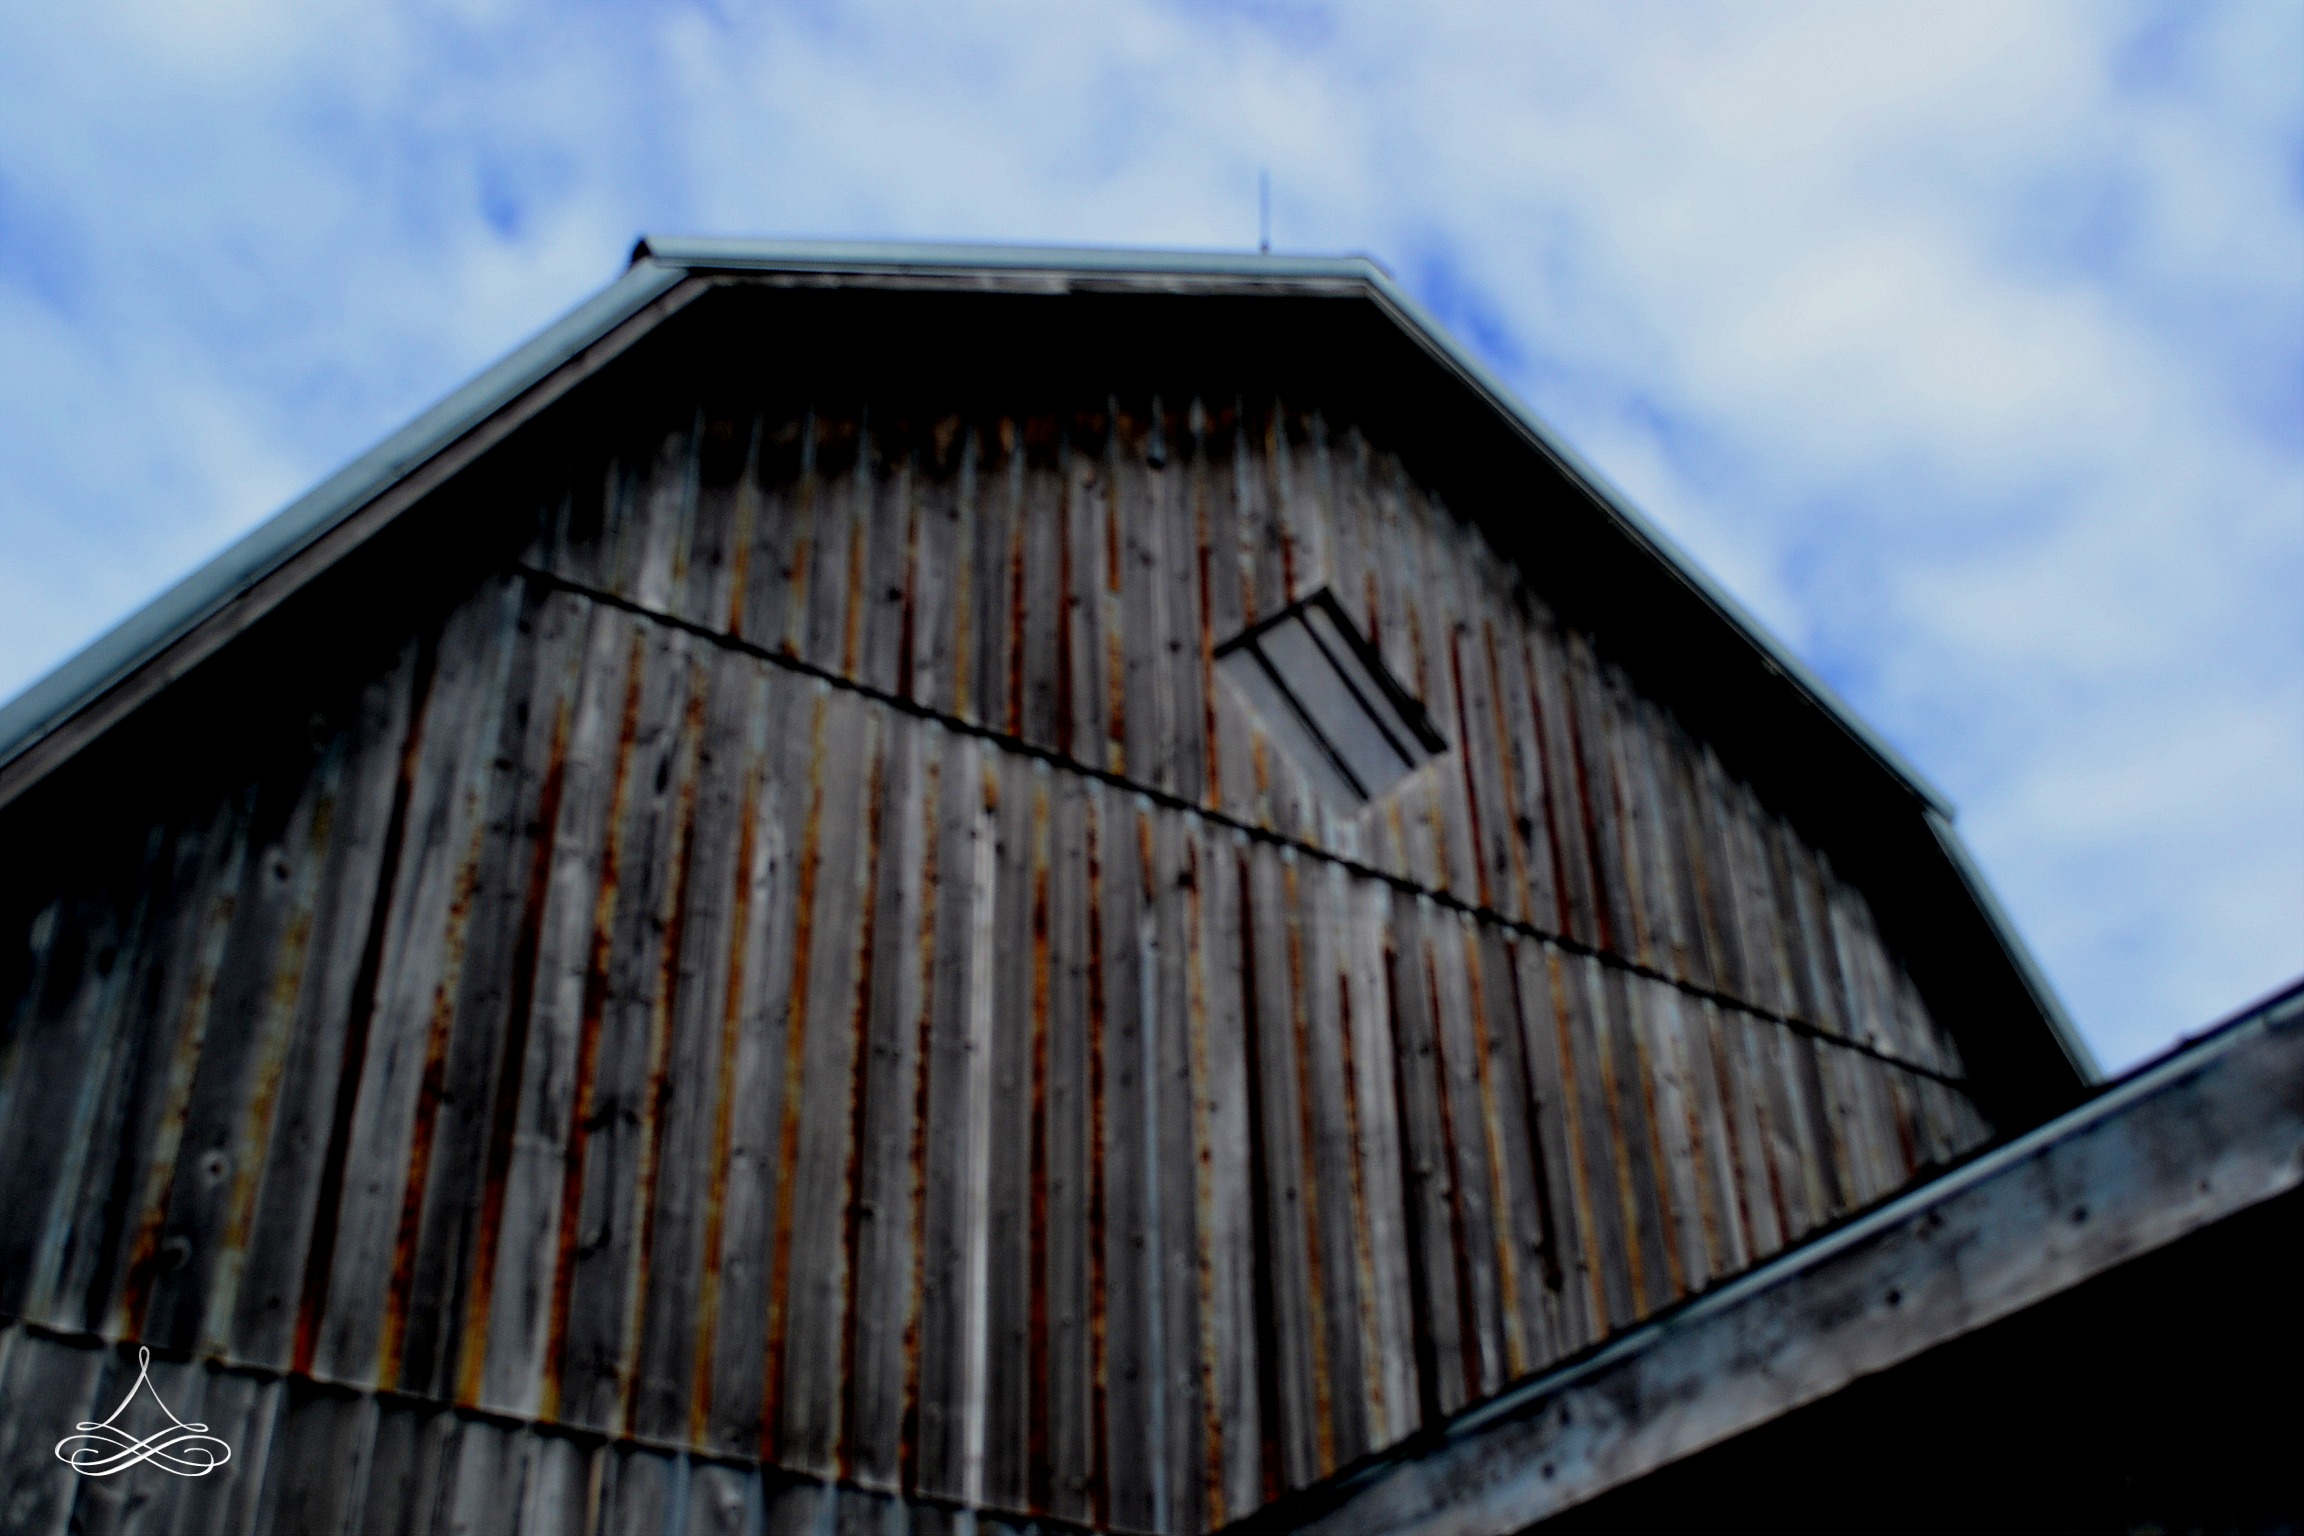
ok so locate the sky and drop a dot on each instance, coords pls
(1964, 344)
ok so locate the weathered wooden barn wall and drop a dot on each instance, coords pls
(807, 971)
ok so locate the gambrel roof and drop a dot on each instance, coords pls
(1649, 599)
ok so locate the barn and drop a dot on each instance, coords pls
(922, 888)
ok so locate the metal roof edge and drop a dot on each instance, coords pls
(1647, 534)
(118, 653)
(741, 255)
(2028, 971)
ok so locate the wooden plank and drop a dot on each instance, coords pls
(699, 959)
(1018, 1086)
(1527, 1237)
(624, 1025)
(70, 1042)
(1336, 1199)
(640, 1490)
(722, 1501)
(1368, 1062)
(1088, 647)
(996, 590)
(1554, 1110)
(830, 622)
(1670, 922)
(1589, 730)
(661, 506)
(944, 1382)
(1425, 852)
(562, 1480)
(1231, 1400)
(1614, 1240)
(1179, 504)
(38, 1488)
(1767, 978)
(1445, 1332)
(1141, 545)
(737, 1296)
(1528, 887)
(1483, 1289)
(1292, 1300)
(1129, 1287)
(780, 490)
(423, 950)
(444, 1212)
(809, 1285)
(1675, 1134)
(1040, 621)
(583, 874)
(883, 1177)
(1443, 602)
(318, 1460)
(1751, 1127)
(1792, 1139)
(888, 514)
(1672, 756)
(1542, 649)
(719, 549)
(1066, 1461)
(243, 1411)
(1726, 1200)
(1190, 1460)
(1225, 604)
(1803, 981)
(939, 565)
(280, 1224)
(235, 1087)
(173, 988)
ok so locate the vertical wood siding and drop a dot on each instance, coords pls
(689, 1039)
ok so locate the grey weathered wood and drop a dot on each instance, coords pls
(809, 1283)
(945, 1380)
(423, 948)
(446, 1224)
(705, 1103)
(1290, 1263)
(318, 1461)
(685, 1161)
(593, 1284)
(1181, 1104)
(1018, 1089)
(235, 1088)
(879, 1315)
(280, 1223)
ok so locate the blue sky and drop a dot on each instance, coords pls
(1964, 343)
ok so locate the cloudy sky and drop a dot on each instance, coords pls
(1966, 344)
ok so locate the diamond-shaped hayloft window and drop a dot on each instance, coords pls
(1324, 696)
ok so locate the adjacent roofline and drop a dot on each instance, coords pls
(2204, 1132)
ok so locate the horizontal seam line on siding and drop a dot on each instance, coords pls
(1225, 819)
(80, 1338)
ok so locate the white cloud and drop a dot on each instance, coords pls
(1965, 342)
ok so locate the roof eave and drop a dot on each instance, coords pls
(126, 650)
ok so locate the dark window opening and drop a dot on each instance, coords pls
(1323, 694)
